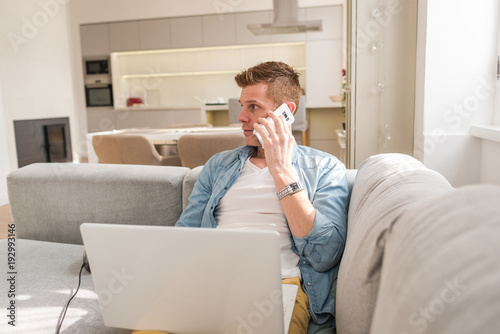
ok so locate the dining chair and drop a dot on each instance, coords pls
(195, 149)
(130, 149)
(300, 127)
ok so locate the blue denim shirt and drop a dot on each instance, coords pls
(324, 179)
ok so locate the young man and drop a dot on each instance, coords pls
(238, 189)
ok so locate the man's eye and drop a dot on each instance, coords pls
(252, 107)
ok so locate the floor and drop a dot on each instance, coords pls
(5, 220)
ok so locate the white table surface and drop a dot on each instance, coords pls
(157, 135)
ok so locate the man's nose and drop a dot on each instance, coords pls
(242, 118)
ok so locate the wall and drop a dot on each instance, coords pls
(456, 89)
(490, 162)
(35, 71)
(5, 161)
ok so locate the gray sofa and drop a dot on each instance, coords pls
(420, 256)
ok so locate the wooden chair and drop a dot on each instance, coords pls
(130, 149)
(195, 150)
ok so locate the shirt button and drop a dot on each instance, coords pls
(304, 262)
(308, 283)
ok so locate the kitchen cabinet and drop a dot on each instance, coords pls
(295, 37)
(94, 40)
(324, 68)
(154, 34)
(124, 36)
(331, 18)
(186, 32)
(100, 119)
(245, 36)
(219, 30)
(178, 76)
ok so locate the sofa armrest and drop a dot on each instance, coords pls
(49, 201)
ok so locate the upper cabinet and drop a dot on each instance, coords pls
(245, 36)
(94, 40)
(221, 46)
(186, 32)
(124, 36)
(331, 18)
(219, 30)
(154, 34)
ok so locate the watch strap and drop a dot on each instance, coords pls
(290, 189)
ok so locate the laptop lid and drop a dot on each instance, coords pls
(186, 280)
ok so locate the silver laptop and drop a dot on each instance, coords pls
(186, 280)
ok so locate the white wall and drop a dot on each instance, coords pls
(4, 162)
(490, 162)
(35, 72)
(457, 88)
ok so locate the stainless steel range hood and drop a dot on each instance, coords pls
(285, 21)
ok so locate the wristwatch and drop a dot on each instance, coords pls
(292, 188)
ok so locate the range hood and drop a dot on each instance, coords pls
(285, 21)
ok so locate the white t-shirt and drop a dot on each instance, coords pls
(251, 203)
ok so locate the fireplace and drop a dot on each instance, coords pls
(43, 140)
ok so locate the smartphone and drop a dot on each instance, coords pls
(281, 110)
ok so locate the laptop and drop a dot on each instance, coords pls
(188, 280)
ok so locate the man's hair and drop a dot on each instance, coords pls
(282, 80)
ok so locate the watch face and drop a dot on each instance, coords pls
(295, 186)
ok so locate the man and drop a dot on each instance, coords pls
(238, 189)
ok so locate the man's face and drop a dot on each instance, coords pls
(256, 104)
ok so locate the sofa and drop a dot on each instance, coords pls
(420, 255)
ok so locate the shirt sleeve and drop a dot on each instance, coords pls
(324, 244)
(192, 216)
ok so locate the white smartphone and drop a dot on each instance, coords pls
(281, 110)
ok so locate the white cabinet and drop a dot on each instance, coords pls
(219, 30)
(295, 37)
(178, 76)
(185, 32)
(100, 119)
(154, 34)
(331, 18)
(94, 40)
(124, 36)
(245, 36)
(324, 67)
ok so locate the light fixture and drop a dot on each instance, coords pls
(285, 20)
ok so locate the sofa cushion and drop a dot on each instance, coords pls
(49, 201)
(385, 185)
(47, 275)
(441, 269)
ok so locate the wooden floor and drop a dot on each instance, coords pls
(5, 220)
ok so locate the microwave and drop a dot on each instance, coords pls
(96, 70)
(96, 66)
(99, 95)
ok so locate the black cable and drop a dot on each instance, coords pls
(63, 314)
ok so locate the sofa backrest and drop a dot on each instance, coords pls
(385, 186)
(49, 201)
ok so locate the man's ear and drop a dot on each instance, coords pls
(292, 107)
